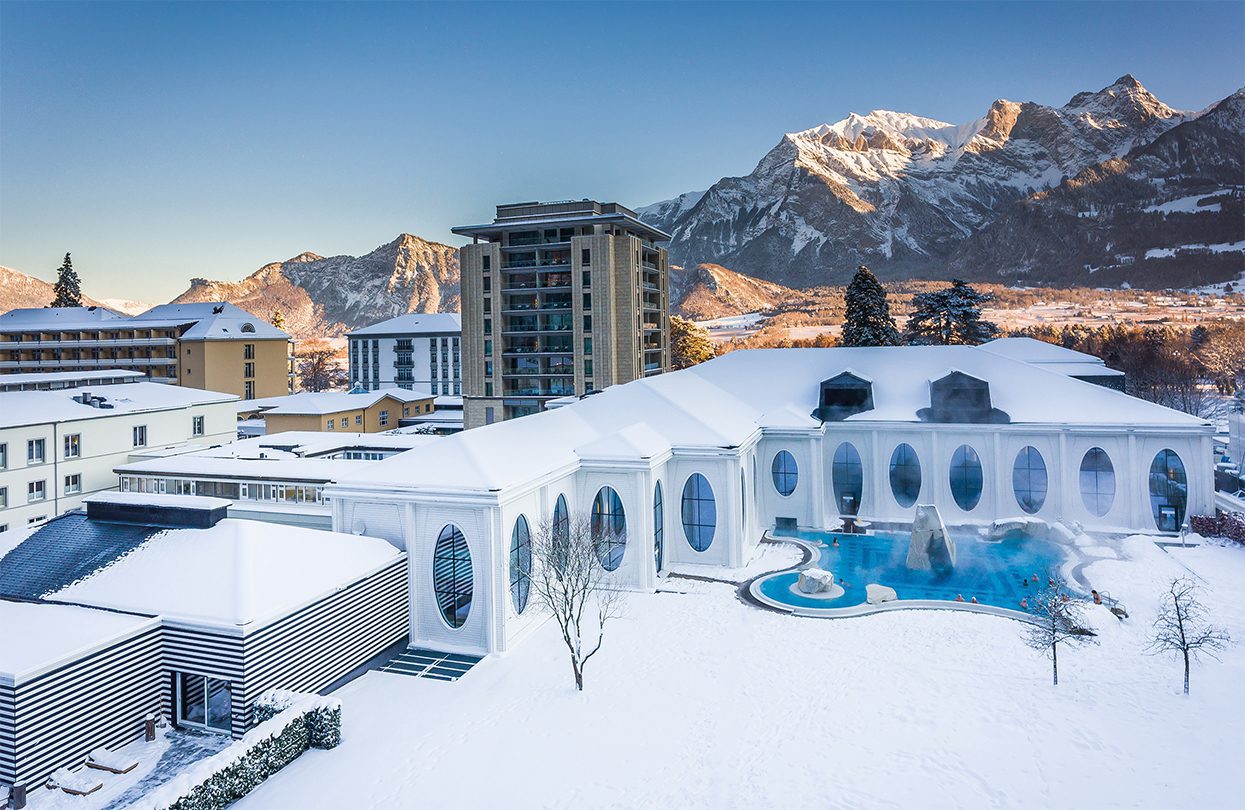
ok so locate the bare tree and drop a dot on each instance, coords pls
(571, 584)
(1181, 627)
(1058, 619)
(319, 369)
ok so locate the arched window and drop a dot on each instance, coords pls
(966, 477)
(1169, 491)
(520, 564)
(849, 479)
(451, 575)
(785, 473)
(700, 512)
(1097, 481)
(609, 528)
(1029, 479)
(659, 526)
(905, 475)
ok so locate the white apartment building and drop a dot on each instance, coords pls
(416, 351)
(57, 446)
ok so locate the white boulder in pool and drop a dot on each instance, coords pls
(930, 548)
(1031, 526)
(876, 594)
(815, 580)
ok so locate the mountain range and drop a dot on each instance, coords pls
(326, 297)
(1114, 180)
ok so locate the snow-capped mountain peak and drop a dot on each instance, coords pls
(900, 191)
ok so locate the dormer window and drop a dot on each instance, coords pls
(842, 396)
(959, 398)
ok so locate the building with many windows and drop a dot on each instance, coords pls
(559, 299)
(416, 351)
(279, 478)
(57, 446)
(695, 466)
(210, 346)
(349, 411)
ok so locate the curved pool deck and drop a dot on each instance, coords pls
(1069, 566)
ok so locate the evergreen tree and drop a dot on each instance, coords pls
(951, 316)
(869, 321)
(67, 287)
(278, 320)
(689, 343)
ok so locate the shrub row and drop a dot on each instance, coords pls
(1226, 524)
(289, 725)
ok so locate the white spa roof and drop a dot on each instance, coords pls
(413, 323)
(721, 403)
(238, 573)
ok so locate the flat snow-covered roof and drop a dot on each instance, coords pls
(39, 635)
(414, 323)
(721, 403)
(36, 377)
(42, 407)
(238, 573)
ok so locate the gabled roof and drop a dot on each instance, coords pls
(217, 320)
(319, 403)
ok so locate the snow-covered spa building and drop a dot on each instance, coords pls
(698, 464)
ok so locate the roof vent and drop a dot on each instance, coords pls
(164, 511)
(218, 310)
(844, 395)
(960, 398)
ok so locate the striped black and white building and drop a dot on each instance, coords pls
(179, 612)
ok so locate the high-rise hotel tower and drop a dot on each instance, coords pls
(559, 299)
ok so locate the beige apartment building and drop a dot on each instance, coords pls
(559, 299)
(210, 346)
(355, 411)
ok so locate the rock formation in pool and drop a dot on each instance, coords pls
(815, 580)
(931, 547)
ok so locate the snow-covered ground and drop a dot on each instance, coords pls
(698, 700)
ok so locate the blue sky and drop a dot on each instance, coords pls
(162, 141)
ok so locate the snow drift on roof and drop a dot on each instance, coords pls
(240, 573)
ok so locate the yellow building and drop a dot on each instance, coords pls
(211, 346)
(358, 412)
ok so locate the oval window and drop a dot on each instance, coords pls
(1029, 482)
(966, 477)
(609, 528)
(849, 480)
(700, 512)
(785, 473)
(520, 564)
(1169, 491)
(905, 474)
(1097, 481)
(452, 576)
(659, 526)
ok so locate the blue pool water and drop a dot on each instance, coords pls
(991, 570)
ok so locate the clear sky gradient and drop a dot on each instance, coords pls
(162, 141)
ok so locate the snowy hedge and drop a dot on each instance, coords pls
(1227, 524)
(290, 723)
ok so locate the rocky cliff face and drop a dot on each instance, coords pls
(1169, 213)
(20, 291)
(899, 192)
(321, 296)
(712, 291)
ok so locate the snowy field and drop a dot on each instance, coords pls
(698, 700)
